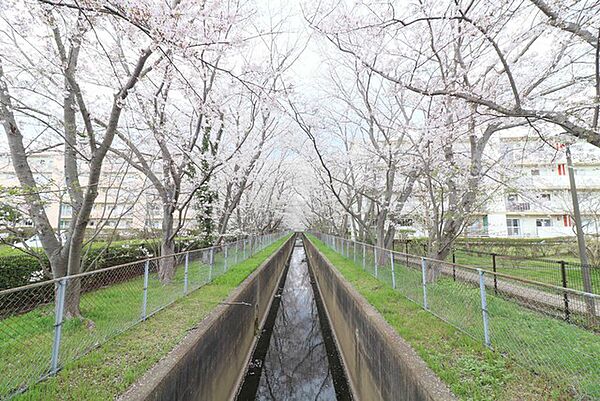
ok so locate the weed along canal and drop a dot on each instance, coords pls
(295, 357)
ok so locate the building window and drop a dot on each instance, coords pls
(561, 169)
(66, 210)
(567, 222)
(545, 197)
(513, 226)
(405, 222)
(535, 172)
(543, 223)
(513, 197)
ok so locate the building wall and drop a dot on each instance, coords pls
(538, 193)
(126, 200)
(537, 190)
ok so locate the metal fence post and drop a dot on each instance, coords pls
(225, 257)
(145, 298)
(59, 309)
(364, 260)
(453, 265)
(375, 258)
(393, 272)
(212, 262)
(185, 273)
(424, 279)
(244, 249)
(563, 272)
(237, 251)
(484, 309)
(354, 250)
(494, 270)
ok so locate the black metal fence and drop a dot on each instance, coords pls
(566, 274)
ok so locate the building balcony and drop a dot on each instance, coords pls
(477, 232)
(518, 206)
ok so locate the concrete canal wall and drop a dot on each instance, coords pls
(379, 364)
(211, 360)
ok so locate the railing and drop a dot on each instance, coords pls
(518, 206)
(37, 339)
(477, 232)
(546, 329)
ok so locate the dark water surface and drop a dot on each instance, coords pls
(296, 364)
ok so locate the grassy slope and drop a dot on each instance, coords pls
(472, 371)
(26, 339)
(107, 371)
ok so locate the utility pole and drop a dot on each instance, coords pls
(585, 265)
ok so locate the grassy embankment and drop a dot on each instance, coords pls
(108, 370)
(538, 357)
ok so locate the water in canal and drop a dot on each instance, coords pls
(295, 358)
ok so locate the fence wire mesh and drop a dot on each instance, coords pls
(548, 329)
(560, 273)
(39, 335)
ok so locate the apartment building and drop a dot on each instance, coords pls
(537, 200)
(126, 199)
(531, 195)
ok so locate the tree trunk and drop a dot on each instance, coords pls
(166, 265)
(72, 298)
(383, 240)
(433, 271)
(60, 268)
(440, 249)
(73, 266)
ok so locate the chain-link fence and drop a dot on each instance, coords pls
(550, 330)
(559, 273)
(38, 335)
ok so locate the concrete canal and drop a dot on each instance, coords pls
(295, 357)
(293, 330)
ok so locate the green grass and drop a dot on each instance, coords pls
(25, 340)
(537, 357)
(542, 271)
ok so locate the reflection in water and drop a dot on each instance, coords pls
(296, 366)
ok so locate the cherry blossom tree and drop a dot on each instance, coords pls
(371, 171)
(67, 72)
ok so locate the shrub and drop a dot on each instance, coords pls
(18, 268)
